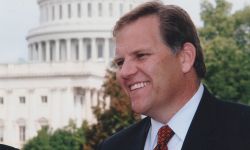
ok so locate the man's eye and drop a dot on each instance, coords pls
(141, 55)
(119, 63)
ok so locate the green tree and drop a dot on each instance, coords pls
(226, 51)
(242, 38)
(118, 117)
(40, 142)
(68, 138)
(242, 28)
(216, 20)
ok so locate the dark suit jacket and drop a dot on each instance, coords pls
(5, 147)
(217, 125)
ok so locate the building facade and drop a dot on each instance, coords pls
(68, 54)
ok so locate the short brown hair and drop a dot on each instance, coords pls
(176, 28)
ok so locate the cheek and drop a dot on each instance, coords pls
(117, 76)
(121, 82)
(162, 73)
(156, 74)
(157, 70)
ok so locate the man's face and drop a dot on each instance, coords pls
(147, 69)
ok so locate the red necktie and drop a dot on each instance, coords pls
(165, 133)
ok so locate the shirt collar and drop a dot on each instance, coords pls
(181, 121)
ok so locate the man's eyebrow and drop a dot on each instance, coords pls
(139, 51)
(117, 59)
(132, 53)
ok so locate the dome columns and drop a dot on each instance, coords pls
(75, 49)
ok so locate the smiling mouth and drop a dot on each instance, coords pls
(138, 85)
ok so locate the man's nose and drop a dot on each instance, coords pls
(128, 69)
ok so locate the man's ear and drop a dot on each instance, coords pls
(187, 57)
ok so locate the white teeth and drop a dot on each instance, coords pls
(138, 85)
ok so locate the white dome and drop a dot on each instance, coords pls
(75, 30)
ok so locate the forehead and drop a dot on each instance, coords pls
(145, 23)
(142, 33)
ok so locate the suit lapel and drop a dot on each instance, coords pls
(202, 126)
(140, 136)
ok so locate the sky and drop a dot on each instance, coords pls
(17, 17)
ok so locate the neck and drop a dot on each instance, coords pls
(188, 89)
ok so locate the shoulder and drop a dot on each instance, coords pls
(222, 115)
(220, 125)
(229, 116)
(6, 147)
(233, 125)
(226, 109)
(126, 136)
(234, 111)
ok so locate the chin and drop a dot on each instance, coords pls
(138, 110)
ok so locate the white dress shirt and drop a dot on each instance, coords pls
(179, 123)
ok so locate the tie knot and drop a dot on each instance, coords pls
(165, 133)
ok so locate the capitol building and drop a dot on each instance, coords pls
(68, 54)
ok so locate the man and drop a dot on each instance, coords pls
(160, 66)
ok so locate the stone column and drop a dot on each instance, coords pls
(40, 58)
(85, 43)
(47, 51)
(35, 53)
(41, 14)
(116, 9)
(32, 111)
(49, 13)
(94, 9)
(80, 43)
(111, 48)
(64, 11)
(93, 49)
(95, 97)
(56, 12)
(57, 53)
(87, 105)
(55, 107)
(68, 49)
(74, 10)
(67, 100)
(43, 51)
(106, 50)
(84, 9)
